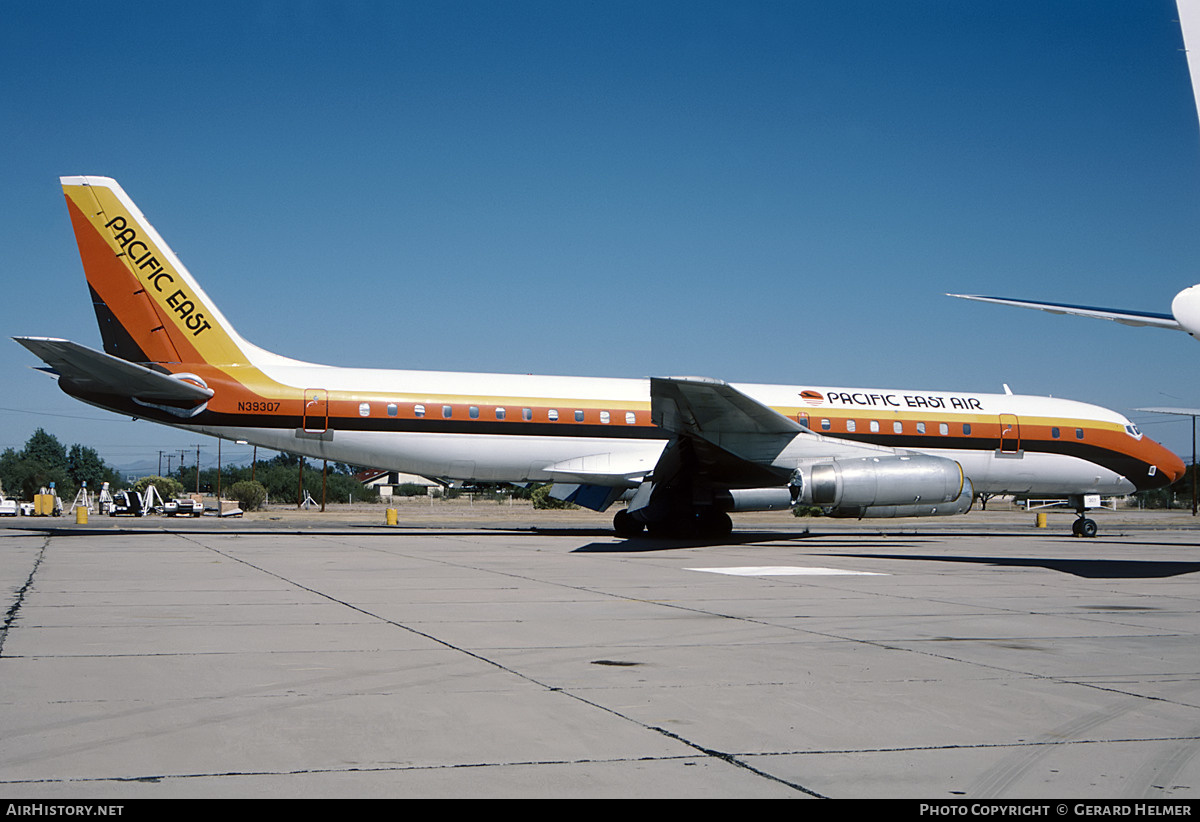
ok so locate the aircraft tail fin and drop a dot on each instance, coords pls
(149, 308)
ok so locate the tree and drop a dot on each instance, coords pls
(43, 461)
(85, 466)
(46, 450)
(280, 477)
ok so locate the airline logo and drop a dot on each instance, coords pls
(142, 257)
(863, 399)
(191, 324)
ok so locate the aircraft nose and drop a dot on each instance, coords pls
(1170, 466)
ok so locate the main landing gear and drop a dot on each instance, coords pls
(625, 525)
(701, 523)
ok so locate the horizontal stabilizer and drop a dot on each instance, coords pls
(89, 371)
(1118, 315)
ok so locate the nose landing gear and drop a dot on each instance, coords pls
(1083, 527)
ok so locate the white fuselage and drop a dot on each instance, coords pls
(526, 457)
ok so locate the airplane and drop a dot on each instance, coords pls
(684, 452)
(1185, 307)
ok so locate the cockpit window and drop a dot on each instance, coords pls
(1132, 430)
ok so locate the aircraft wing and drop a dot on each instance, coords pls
(719, 432)
(1119, 315)
(89, 371)
(708, 408)
(1182, 412)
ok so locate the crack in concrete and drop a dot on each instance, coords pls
(10, 616)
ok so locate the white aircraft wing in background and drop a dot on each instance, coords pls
(1120, 315)
(1185, 308)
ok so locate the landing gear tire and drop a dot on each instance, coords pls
(1084, 527)
(625, 525)
(715, 524)
(700, 525)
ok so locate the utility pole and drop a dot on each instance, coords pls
(1183, 412)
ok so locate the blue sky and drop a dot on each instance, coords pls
(756, 191)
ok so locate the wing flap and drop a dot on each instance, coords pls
(604, 469)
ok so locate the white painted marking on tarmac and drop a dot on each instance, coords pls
(785, 571)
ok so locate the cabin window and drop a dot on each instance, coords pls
(419, 410)
(1078, 433)
(850, 425)
(920, 428)
(499, 413)
(826, 425)
(897, 427)
(1054, 433)
(552, 414)
(630, 418)
(364, 409)
(604, 417)
(943, 429)
(578, 416)
(966, 429)
(874, 426)
(473, 411)
(447, 411)
(392, 409)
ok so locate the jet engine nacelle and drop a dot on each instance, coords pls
(901, 480)
(959, 506)
(754, 499)
(1186, 308)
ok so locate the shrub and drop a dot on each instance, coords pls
(249, 494)
(542, 499)
(167, 488)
